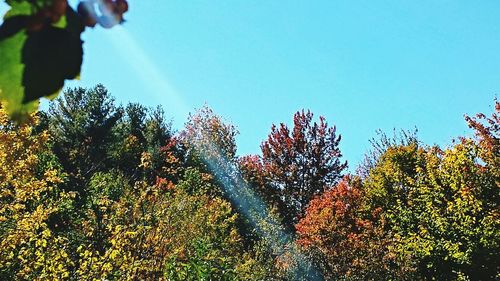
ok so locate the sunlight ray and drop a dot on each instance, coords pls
(249, 204)
(147, 71)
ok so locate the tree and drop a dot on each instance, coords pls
(487, 132)
(297, 164)
(30, 198)
(92, 134)
(157, 232)
(122, 229)
(207, 144)
(346, 241)
(442, 205)
(209, 135)
(81, 123)
(138, 138)
(258, 177)
(381, 144)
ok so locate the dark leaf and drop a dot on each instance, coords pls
(11, 26)
(50, 55)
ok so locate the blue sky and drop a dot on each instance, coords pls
(364, 65)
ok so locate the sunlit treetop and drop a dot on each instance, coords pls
(40, 47)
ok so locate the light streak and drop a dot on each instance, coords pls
(242, 196)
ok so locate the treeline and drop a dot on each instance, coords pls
(92, 190)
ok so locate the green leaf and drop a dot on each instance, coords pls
(36, 64)
(19, 8)
(11, 76)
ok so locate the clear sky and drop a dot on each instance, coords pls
(364, 65)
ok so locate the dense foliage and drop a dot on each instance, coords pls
(92, 190)
(296, 164)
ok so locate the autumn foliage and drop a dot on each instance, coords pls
(296, 164)
(344, 239)
(91, 190)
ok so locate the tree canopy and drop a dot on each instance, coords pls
(93, 190)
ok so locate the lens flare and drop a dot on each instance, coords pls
(253, 208)
(242, 196)
(132, 53)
